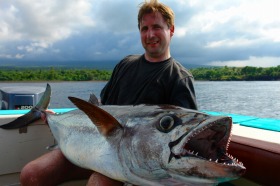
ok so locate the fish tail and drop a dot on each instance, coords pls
(33, 115)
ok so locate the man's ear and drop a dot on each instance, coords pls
(172, 29)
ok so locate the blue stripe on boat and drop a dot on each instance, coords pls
(15, 112)
(249, 121)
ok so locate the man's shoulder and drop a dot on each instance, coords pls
(131, 58)
(128, 62)
(180, 69)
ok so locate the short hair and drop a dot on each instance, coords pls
(154, 6)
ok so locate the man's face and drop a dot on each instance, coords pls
(155, 37)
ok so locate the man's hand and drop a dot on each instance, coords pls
(44, 117)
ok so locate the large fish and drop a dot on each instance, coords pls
(144, 144)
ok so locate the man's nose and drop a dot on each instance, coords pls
(150, 33)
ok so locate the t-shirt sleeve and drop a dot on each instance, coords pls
(183, 93)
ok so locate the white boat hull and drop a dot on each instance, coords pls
(18, 147)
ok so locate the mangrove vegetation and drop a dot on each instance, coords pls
(53, 74)
(237, 73)
(206, 73)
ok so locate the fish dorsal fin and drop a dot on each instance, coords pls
(93, 100)
(104, 121)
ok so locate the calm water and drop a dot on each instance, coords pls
(254, 98)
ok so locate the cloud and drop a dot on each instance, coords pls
(220, 32)
(115, 16)
(43, 20)
(226, 32)
(252, 61)
(39, 24)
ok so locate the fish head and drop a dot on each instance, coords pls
(183, 144)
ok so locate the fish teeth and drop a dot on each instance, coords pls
(184, 152)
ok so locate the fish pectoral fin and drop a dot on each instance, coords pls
(104, 121)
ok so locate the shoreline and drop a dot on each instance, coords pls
(60, 81)
(52, 81)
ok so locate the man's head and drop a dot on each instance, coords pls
(156, 26)
(155, 6)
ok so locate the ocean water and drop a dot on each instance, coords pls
(252, 98)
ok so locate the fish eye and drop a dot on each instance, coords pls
(166, 123)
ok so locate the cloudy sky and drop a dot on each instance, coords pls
(220, 32)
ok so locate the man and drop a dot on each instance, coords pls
(152, 78)
(155, 77)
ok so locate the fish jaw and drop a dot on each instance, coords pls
(201, 153)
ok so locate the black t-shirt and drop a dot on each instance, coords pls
(138, 81)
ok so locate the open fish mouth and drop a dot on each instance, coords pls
(208, 141)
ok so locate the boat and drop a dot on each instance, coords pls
(254, 141)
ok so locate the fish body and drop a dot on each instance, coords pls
(147, 144)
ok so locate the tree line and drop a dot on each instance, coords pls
(237, 73)
(53, 74)
(67, 74)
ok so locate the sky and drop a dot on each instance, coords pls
(219, 32)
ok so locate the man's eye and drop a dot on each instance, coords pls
(144, 29)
